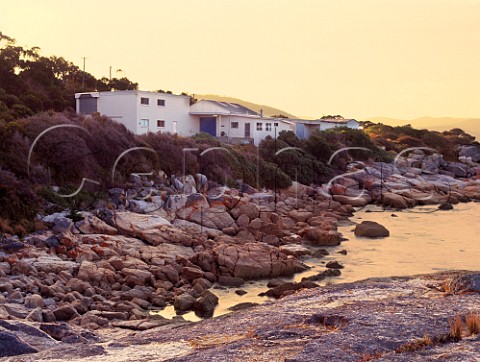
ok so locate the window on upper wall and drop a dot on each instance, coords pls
(161, 102)
(268, 126)
(275, 124)
(259, 126)
(144, 101)
(234, 124)
(160, 123)
(144, 123)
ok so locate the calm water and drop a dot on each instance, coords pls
(421, 241)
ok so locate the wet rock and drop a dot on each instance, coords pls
(445, 206)
(321, 276)
(334, 265)
(11, 345)
(295, 250)
(321, 237)
(343, 252)
(241, 306)
(288, 288)
(228, 281)
(371, 229)
(206, 304)
(394, 200)
(183, 302)
(320, 253)
(240, 292)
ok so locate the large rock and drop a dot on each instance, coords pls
(65, 313)
(295, 250)
(371, 229)
(288, 288)
(251, 261)
(214, 218)
(459, 169)
(53, 264)
(11, 345)
(205, 305)
(136, 224)
(250, 210)
(470, 151)
(321, 237)
(394, 200)
(93, 225)
(183, 302)
(354, 201)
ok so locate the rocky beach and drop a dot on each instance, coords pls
(94, 280)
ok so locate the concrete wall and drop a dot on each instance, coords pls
(121, 108)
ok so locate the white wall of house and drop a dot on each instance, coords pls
(266, 127)
(121, 107)
(126, 107)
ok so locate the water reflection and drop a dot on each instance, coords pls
(420, 241)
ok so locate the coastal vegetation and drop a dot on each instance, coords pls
(37, 92)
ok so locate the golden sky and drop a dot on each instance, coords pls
(358, 58)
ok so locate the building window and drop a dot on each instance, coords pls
(259, 126)
(268, 126)
(275, 124)
(160, 123)
(161, 102)
(234, 124)
(144, 123)
(144, 101)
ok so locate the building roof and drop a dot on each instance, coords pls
(133, 91)
(233, 108)
(337, 120)
(320, 121)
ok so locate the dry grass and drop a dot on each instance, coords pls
(456, 328)
(370, 357)
(416, 345)
(452, 286)
(473, 322)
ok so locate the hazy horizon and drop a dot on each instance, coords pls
(380, 58)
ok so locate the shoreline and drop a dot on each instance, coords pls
(111, 268)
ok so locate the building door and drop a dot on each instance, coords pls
(247, 130)
(208, 125)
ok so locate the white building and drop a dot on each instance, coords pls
(141, 111)
(234, 123)
(304, 128)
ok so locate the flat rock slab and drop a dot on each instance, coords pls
(11, 345)
(342, 322)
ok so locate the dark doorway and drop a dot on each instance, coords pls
(208, 125)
